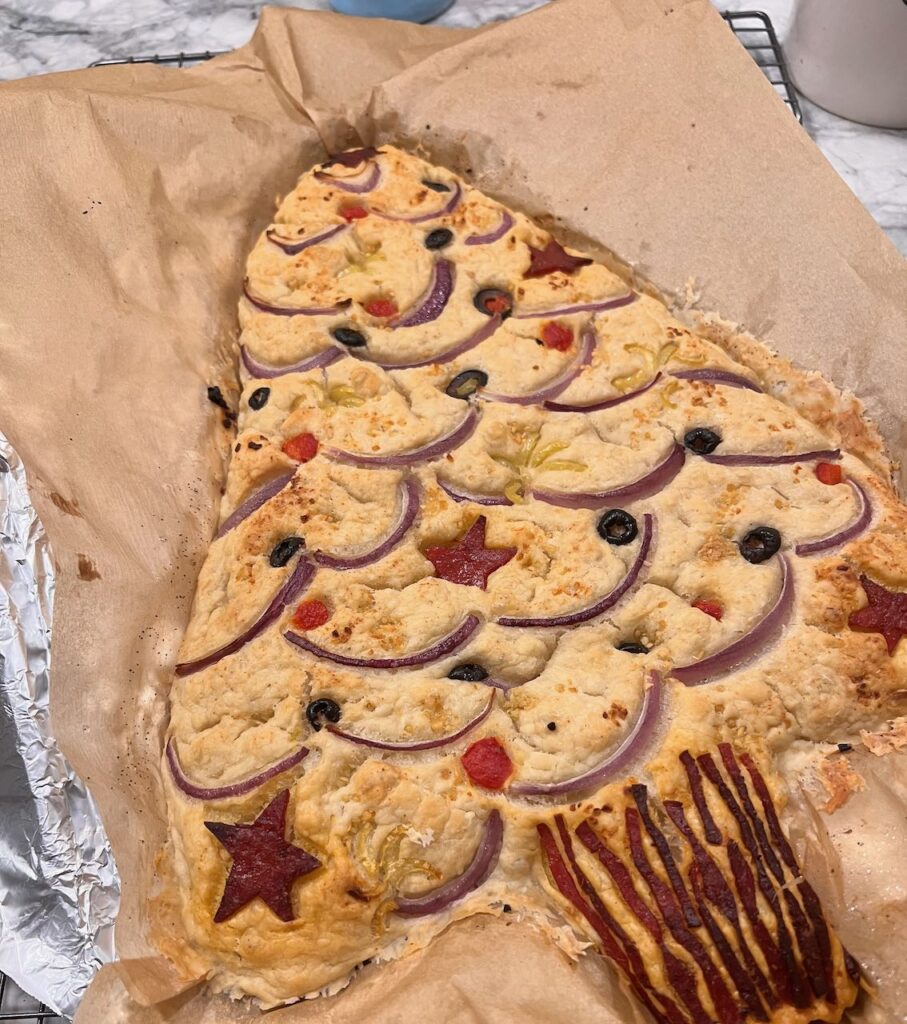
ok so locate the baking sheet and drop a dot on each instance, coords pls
(129, 202)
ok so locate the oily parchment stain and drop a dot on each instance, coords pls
(87, 569)
(68, 505)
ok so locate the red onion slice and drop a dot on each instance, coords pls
(479, 869)
(749, 645)
(434, 299)
(853, 529)
(235, 788)
(506, 224)
(297, 581)
(603, 603)
(446, 645)
(452, 203)
(409, 509)
(827, 455)
(263, 371)
(292, 246)
(476, 338)
(731, 380)
(267, 307)
(253, 503)
(364, 181)
(644, 487)
(608, 403)
(433, 450)
(439, 741)
(598, 306)
(560, 383)
(627, 751)
(477, 499)
(352, 157)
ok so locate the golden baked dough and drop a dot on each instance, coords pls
(604, 557)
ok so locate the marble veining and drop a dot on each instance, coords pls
(38, 36)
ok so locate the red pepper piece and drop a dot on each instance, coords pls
(468, 562)
(886, 613)
(487, 764)
(302, 447)
(829, 473)
(381, 308)
(710, 608)
(352, 158)
(265, 865)
(553, 257)
(353, 212)
(556, 336)
(310, 614)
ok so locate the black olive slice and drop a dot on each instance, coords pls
(468, 672)
(466, 384)
(617, 527)
(491, 301)
(322, 710)
(259, 398)
(284, 550)
(702, 440)
(349, 337)
(435, 186)
(631, 647)
(760, 544)
(438, 238)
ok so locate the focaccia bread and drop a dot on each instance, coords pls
(522, 594)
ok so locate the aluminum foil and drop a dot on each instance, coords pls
(59, 889)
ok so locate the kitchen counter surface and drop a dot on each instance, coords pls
(38, 36)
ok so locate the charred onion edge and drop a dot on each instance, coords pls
(294, 246)
(408, 510)
(253, 503)
(445, 646)
(263, 371)
(603, 603)
(476, 873)
(477, 499)
(599, 306)
(452, 203)
(825, 455)
(298, 579)
(234, 788)
(267, 307)
(364, 181)
(607, 403)
(747, 647)
(506, 224)
(561, 382)
(847, 533)
(731, 380)
(433, 450)
(403, 747)
(629, 749)
(476, 338)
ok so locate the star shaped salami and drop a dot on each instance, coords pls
(264, 864)
(553, 257)
(886, 613)
(469, 562)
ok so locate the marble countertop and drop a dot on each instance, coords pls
(38, 36)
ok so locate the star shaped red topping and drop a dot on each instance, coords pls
(469, 562)
(264, 864)
(886, 613)
(553, 257)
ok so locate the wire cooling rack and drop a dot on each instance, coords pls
(756, 33)
(754, 29)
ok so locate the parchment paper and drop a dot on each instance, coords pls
(129, 199)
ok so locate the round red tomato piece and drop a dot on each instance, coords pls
(310, 614)
(381, 307)
(487, 764)
(353, 213)
(828, 473)
(302, 447)
(556, 336)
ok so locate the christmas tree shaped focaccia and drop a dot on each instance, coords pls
(522, 594)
